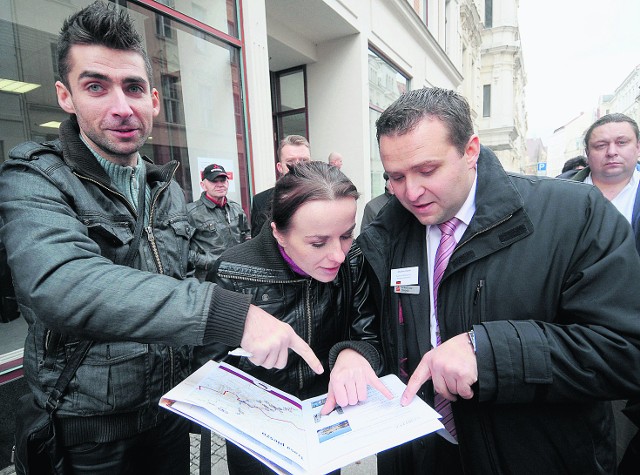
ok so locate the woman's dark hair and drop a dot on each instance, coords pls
(99, 24)
(308, 181)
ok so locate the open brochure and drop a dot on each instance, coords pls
(288, 434)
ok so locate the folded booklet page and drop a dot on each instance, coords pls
(288, 434)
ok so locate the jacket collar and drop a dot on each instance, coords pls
(498, 205)
(497, 199)
(82, 162)
(582, 174)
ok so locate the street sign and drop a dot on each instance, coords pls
(542, 166)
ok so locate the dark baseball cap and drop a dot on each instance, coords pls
(213, 171)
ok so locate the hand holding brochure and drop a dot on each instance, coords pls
(288, 434)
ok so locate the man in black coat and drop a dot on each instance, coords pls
(531, 327)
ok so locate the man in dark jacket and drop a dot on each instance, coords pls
(612, 145)
(573, 166)
(373, 207)
(534, 328)
(291, 150)
(69, 209)
(219, 222)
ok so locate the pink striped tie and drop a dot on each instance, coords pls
(445, 249)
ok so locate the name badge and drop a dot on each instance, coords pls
(404, 276)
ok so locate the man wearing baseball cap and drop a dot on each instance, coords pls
(219, 222)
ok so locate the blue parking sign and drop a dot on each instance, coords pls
(542, 166)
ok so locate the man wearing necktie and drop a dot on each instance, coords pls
(506, 300)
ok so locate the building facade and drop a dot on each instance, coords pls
(625, 99)
(236, 75)
(502, 119)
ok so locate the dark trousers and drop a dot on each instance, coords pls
(240, 462)
(428, 455)
(163, 450)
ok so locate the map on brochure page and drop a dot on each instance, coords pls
(290, 435)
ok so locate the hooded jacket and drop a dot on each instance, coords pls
(67, 231)
(542, 276)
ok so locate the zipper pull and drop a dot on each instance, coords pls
(149, 231)
(478, 289)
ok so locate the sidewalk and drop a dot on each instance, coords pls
(219, 461)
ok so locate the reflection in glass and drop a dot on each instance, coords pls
(386, 84)
(198, 78)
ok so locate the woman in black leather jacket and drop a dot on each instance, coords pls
(304, 270)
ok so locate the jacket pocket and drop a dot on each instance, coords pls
(172, 238)
(113, 376)
(113, 237)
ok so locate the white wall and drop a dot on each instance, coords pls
(337, 72)
(259, 95)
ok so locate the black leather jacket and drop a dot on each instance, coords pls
(328, 316)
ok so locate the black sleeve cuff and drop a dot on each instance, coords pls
(227, 316)
(365, 349)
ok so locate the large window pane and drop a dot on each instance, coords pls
(289, 100)
(294, 124)
(292, 91)
(220, 14)
(386, 84)
(198, 77)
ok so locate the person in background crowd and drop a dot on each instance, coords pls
(69, 209)
(220, 223)
(519, 339)
(373, 207)
(335, 159)
(303, 268)
(612, 145)
(572, 166)
(291, 150)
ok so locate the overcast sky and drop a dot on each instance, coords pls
(575, 51)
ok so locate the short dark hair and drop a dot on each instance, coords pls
(308, 181)
(607, 119)
(445, 105)
(99, 24)
(573, 163)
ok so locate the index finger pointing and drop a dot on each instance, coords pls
(418, 378)
(300, 346)
(329, 405)
(379, 385)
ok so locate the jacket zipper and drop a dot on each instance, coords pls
(149, 228)
(479, 287)
(232, 275)
(307, 304)
(476, 299)
(150, 235)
